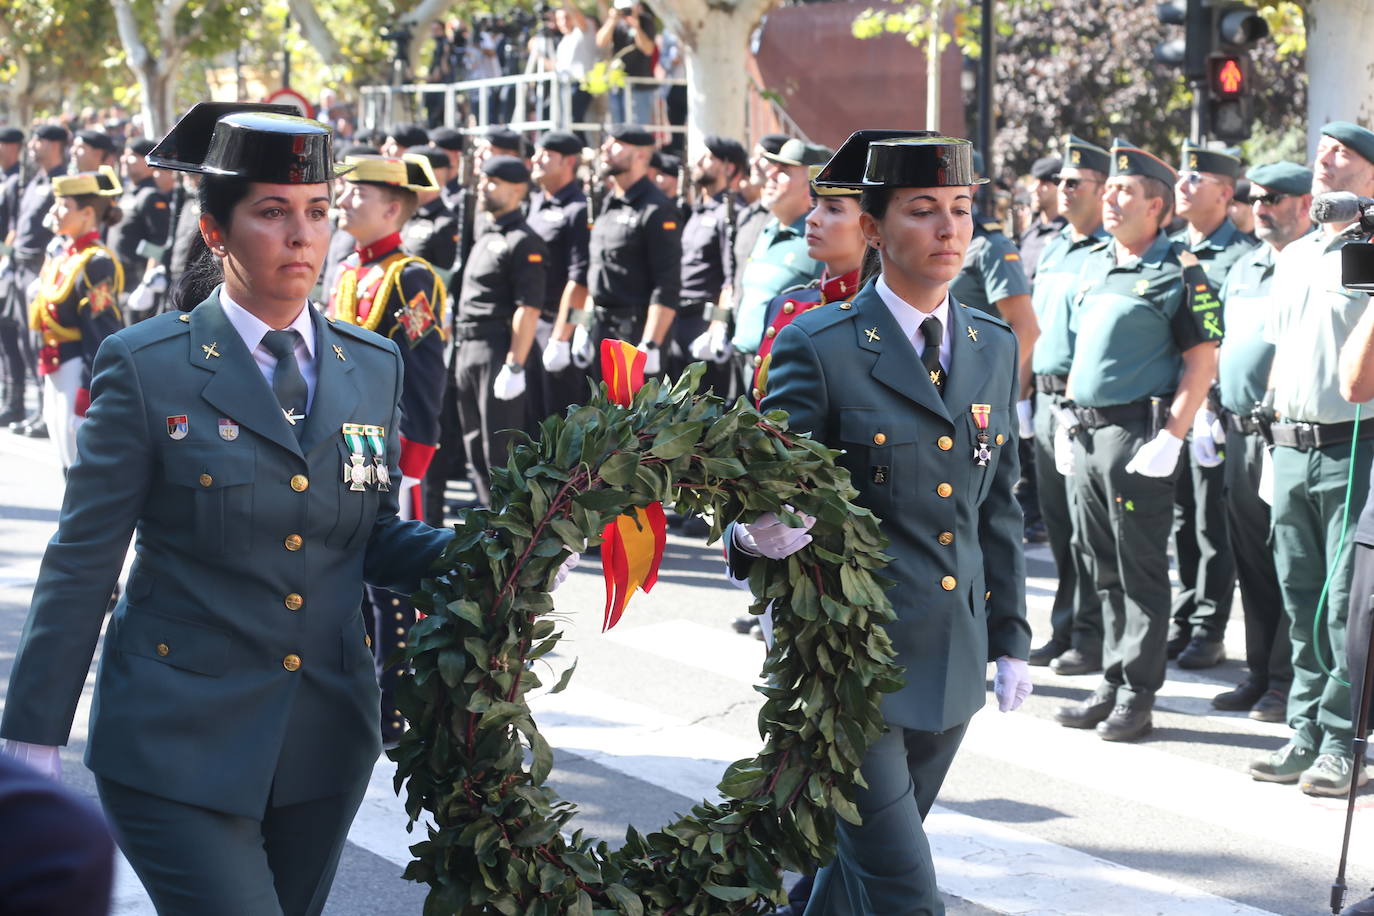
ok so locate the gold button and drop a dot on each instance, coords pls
(395, 602)
(945, 490)
(185, 319)
(400, 643)
(845, 306)
(291, 662)
(400, 631)
(299, 483)
(293, 542)
(946, 538)
(771, 333)
(948, 583)
(367, 640)
(754, 392)
(945, 443)
(987, 595)
(879, 438)
(758, 361)
(206, 480)
(162, 649)
(1000, 439)
(788, 309)
(293, 602)
(400, 616)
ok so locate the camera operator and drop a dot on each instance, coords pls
(1312, 429)
(445, 66)
(628, 31)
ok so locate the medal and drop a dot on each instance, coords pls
(228, 429)
(177, 427)
(357, 473)
(376, 437)
(981, 453)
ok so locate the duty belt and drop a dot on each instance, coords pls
(481, 328)
(1051, 384)
(1115, 415)
(1306, 436)
(1240, 423)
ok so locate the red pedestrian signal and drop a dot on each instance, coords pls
(1227, 77)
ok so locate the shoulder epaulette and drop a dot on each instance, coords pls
(991, 226)
(970, 312)
(155, 329)
(826, 316)
(358, 333)
(814, 284)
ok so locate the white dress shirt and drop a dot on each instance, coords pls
(909, 317)
(252, 329)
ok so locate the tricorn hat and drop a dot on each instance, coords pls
(411, 171)
(846, 168)
(103, 182)
(921, 162)
(250, 140)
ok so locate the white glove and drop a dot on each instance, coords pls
(1063, 452)
(41, 757)
(652, 359)
(583, 348)
(771, 537)
(565, 570)
(1012, 683)
(1024, 412)
(1205, 451)
(508, 384)
(6, 266)
(156, 280)
(1266, 481)
(712, 344)
(141, 299)
(1158, 457)
(558, 355)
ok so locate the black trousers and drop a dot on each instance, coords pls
(13, 371)
(690, 324)
(1358, 623)
(449, 461)
(388, 616)
(488, 423)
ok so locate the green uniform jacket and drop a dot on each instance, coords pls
(195, 700)
(957, 558)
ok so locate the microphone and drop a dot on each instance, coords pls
(1342, 207)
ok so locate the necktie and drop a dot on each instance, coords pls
(287, 382)
(934, 334)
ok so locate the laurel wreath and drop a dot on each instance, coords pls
(498, 836)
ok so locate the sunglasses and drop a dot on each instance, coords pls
(1072, 184)
(1195, 178)
(1269, 200)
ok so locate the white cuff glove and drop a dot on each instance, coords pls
(1012, 683)
(1024, 414)
(1063, 452)
(141, 299)
(771, 537)
(563, 571)
(652, 360)
(156, 280)
(558, 355)
(1205, 451)
(1158, 457)
(508, 384)
(1266, 481)
(583, 348)
(41, 757)
(712, 344)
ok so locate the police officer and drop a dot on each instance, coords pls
(498, 313)
(13, 371)
(1313, 465)
(147, 216)
(635, 256)
(1075, 642)
(920, 394)
(48, 152)
(451, 142)
(401, 297)
(91, 149)
(558, 215)
(432, 233)
(1206, 565)
(1048, 220)
(1144, 357)
(1282, 195)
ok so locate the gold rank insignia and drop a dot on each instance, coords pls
(338, 351)
(1123, 161)
(973, 334)
(1076, 157)
(210, 349)
(935, 377)
(872, 334)
(1192, 161)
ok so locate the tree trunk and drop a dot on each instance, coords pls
(315, 31)
(20, 89)
(1340, 71)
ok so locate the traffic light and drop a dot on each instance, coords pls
(1236, 27)
(1190, 51)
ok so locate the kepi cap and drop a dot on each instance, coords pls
(506, 168)
(1201, 159)
(1281, 177)
(1080, 154)
(1129, 159)
(103, 182)
(799, 152)
(1358, 138)
(410, 172)
(249, 140)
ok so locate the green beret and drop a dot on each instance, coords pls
(1080, 154)
(1129, 159)
(1281, 178)
(1358, 138)
(1201, 159)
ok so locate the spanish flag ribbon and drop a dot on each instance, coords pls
(632, 545)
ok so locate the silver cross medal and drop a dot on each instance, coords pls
(982, 453)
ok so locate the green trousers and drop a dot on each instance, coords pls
(1309, 515)
(883, 867)
(1206, 564)
(1124, 520)
(198, 862)
(1076, 616)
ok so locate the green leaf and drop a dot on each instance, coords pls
(536, 834)
(468, 610)
(625, 900)
(619, 469)
(721, 892)
(564, 678)
(452, 665)
(675, 441)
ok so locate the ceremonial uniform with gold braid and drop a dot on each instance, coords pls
(786, 306)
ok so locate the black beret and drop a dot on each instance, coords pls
(773, 142)
(140, 146)
(506, 168)
(358, 149)
(1046, 168)
(632, 135)
(409, 135)
(1282, 177)
(727, 150)
(11, 135)
(561, 141)
(666, 162)
(438, 159)
(504, 138)
(446, 138)
(98, 139)
(1358, 138)
(54, 132)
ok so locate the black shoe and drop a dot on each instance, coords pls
(743, 623)
(1272, 707)
(1202, 652)
(1043, 655)
(1076, 661)
(11, 415)
(1035, 533)
(37, 430)
(1126, 723)
(1242, 696)
(1085, 714)
(1363, 907)
(1178, 641)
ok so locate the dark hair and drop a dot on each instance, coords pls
(218, 196)
(874, 201)
(871, 266)
(107, 213)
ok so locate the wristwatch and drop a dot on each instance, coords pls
(514, 367)
(647, 345)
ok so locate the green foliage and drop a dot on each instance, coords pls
(499, 838)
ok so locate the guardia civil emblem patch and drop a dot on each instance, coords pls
(177, 427)
(228, 429)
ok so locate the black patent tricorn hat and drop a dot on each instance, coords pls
(846, 168)
(249, 140)
(921, 162)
